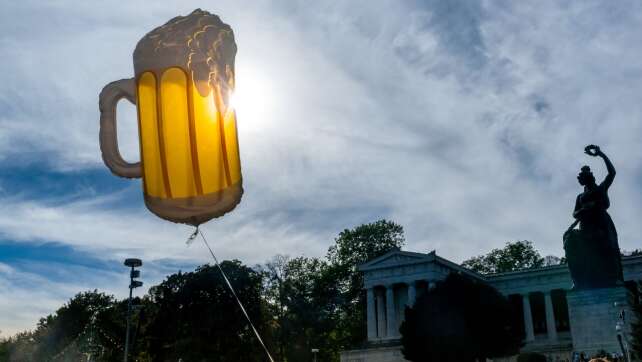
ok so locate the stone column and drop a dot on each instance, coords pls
(431, 284)
(391, 314)
(550, 317)
(528, 318)
(370, 312)
(381, 315)
(412, 293)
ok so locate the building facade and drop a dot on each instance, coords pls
(540, 298)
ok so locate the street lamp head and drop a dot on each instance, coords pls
(133, 262)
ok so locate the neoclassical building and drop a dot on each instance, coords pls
(540, 298)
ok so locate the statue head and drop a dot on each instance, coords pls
(585, 177)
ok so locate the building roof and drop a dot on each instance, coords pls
(398, 265)
(399, 258)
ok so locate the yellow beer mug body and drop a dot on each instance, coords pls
(184, 76)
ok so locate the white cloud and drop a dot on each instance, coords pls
(466, 124)
(29, 296)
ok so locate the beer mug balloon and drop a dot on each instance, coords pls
(184, 76)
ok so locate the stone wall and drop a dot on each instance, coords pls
(381, 354)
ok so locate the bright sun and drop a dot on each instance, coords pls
(251, 98)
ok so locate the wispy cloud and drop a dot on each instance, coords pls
(463, 121)
(28, 296)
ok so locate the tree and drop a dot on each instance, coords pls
(514, 256)
(301, 298)
(189, 315)
(68, 324)
(353, 248)
(20, 347)
(364, 242)
(274, 278)
(550, 260)
(634, 252)
(297, 304)
(5, 344)
(193, 316)
(459, 320)
(320, 303)
(73, 330)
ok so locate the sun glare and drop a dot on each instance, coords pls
(251, 98)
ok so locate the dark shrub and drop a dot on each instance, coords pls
(531, 357)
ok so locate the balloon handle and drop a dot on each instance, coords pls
(190, 240)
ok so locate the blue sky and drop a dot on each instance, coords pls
(464, 121)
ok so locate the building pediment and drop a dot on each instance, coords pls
(396, 258)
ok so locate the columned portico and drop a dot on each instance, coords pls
(386, 302)
(370, 313)
(395, 281)
(549, 307)
(412, 293)
(391, 315)
(385, 307)
(550, 317)
(528, 318)
(381, 314)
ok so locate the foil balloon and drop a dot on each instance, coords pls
(184, 77)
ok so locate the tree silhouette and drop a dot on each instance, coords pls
(459, 320)
(517, 255)
(193, 316)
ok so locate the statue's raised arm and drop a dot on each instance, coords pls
(595, 151)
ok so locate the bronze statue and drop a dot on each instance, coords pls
(592, 251)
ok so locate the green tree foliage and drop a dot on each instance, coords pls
(297, 304)
(320, 303)
(302, 300)
(60, 334)
(445, 324)
(60, 330)
(189, 315)
(194, 316)
(20, 347)
(368, 241)
(107, 332)
(352, 248)
(5, 345)
(634, 252)
(274, 277)
(551, 260)
(514, 256)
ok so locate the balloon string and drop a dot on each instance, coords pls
(229, 285)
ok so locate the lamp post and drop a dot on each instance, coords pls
(621, 334)
(132, 263)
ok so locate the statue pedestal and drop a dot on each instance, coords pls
(593, 316)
